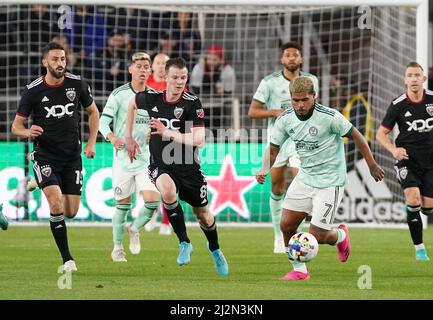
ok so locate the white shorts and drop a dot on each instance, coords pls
(287, 156)
(125, 183)
(281, 161)
(320, 204)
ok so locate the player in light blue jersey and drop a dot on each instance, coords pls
(129, 177)
(317, 190)
(271, 98)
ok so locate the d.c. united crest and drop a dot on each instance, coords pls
(178, 112)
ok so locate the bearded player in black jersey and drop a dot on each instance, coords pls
(54, 101)
(177, 122)
(413, 150)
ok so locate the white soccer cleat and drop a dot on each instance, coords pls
(70, 266)
(134, 240)
(279, 245)
(165, 229)
(118, 255)
(152, 223)
(32, 185)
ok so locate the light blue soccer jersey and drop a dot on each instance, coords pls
(318, 143)
(274, 93)
(116, 108)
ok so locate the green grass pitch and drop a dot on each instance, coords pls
(29, 262)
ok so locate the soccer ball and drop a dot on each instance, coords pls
(303, 247)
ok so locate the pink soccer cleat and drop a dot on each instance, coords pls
(296, 275)
(344, 247)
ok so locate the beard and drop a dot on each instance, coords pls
(293, 67)
(58, 74)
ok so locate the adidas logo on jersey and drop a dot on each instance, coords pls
(155, 109)
(408, 114)
(45, 99)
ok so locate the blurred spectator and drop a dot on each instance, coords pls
(111, 65)
(38, 26)
(71, 58)
(188, 40)
(87, 36)
(166, 44)
(156, 79)
(135, 22)
(213, 76)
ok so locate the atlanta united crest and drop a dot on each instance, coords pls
(178, 112)
(70, 94)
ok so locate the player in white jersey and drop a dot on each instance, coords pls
(317, 190)
(129, 177)
(271, 98)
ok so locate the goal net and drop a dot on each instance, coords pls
(358, 53)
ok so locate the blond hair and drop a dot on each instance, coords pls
(302, 84)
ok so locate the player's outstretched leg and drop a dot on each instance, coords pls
(144, 216)
(299, 272)
(343, 243)
(220, 262)
(3, 220)
(275, 202)
(119, 220)
(175, 215)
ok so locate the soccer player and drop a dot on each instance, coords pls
(157, 82)
(54, 101)
(413, 150)
(318, 188)
(3, 220)
(271, 98)
(177, 122)
(127, 176)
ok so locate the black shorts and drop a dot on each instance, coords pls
(191, 185)
(410, 175)
(68, 175)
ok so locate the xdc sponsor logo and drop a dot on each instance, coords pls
(368, 201)
(58, 111)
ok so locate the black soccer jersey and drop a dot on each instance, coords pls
(57, 111)
(181, 115)
(415, 123)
